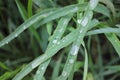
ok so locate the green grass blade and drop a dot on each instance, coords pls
(41, 70)
(8, 75)
(80, 32)
(110, 5)
(22, 10)
(114, 41)
(29, 8)
(103, 10)
(56, 68)
(103, 30)
(85, 63)
(63, 12)
(48, 54)
(56, 14)
(58, 33)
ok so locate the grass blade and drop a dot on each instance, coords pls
(85, 63)
(37, 17)
(58, 33)
(114, 41)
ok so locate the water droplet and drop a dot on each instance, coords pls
(64, 22)
(64, 39)
(55, 41)
(74, 50)
(42, 68)
(16, 35)
(64, 73)
(115, 40)
(71, 61)
(84, 22)
(79, 21)
(93, 4)
(80, 31)
(6, 42)
(36, 62)
(24, 27)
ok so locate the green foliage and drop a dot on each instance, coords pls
(57, 42)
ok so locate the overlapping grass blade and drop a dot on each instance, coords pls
(110, 6)
(54, 40)
(39, 16)
(104, 30)
(48, 54)
(21, 9)
(56, 68)
(114, 41)
(85, 62)
(80, 32)
(103, 10)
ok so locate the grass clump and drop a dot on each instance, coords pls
(58, 40)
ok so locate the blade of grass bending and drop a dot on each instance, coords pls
(63, 12)
(54, 39)
(39, 16)
(24, 26)
(114, 41)
(85, 63)
(103, 30)
(110, 6)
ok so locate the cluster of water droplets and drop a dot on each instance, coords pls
(55, 41)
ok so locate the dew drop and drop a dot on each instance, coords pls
(42, 68)
(71, 61)
(93, 3)
(16, 35)
(80, 31)
(84, 22)
(115, 40)
(64, 73)
(64, 22)
(24, 27)
(6, 42)
(79, 21)
(55, 41)
(64, 39)
(74, 50)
